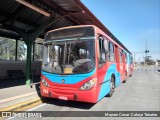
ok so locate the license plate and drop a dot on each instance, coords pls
(63, 98)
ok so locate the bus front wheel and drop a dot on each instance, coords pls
(111, 87)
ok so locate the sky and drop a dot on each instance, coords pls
(133, 22)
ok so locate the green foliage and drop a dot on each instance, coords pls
(22, 50)
(8, 49)
(38, 52)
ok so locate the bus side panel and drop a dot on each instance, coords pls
(105, 85)
(127, 65)
(130, 65)
(117, 78)
(124, 66)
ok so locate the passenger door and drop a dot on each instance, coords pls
(121, 64)
(124, 65)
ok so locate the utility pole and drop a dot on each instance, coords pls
(146, 51)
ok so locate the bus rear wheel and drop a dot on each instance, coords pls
(125, 78)
(111, 87)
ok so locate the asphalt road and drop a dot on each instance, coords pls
(141, 92)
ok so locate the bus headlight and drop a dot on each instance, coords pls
(88, 85)
(44, 83)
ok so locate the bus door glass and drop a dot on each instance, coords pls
(121, 63)
(124, 61)
(117, 57)
(102, 57)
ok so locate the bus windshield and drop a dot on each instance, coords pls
(70, 56)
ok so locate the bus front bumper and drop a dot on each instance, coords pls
(69, 94)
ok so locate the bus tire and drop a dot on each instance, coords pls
(112, 86)
(125, 78)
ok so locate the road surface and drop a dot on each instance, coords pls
(141, 92)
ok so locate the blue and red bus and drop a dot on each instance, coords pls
(82, 63)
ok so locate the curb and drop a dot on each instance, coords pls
(21, 106)
(17, 97)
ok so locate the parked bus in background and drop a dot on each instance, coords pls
(82, 63)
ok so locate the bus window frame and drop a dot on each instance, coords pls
(111, 52)
(101, 61)
(120, 55)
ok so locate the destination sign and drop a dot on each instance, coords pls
(67, 33)
(70, 33)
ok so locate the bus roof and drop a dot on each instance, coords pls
(111, 36)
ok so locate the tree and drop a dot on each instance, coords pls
(8, 49)
(38, 52)
(22, 50)
(149, 60)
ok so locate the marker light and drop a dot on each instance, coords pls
(88, 85)
(44, 83)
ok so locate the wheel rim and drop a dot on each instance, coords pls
(112, 86)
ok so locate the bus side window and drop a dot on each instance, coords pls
(111, 54)
(102, 53)
(131, 61)
(120, 55)
(126, 58)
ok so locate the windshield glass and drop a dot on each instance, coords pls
(73, 56)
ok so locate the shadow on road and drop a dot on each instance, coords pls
(7, 83)
(72, 104)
